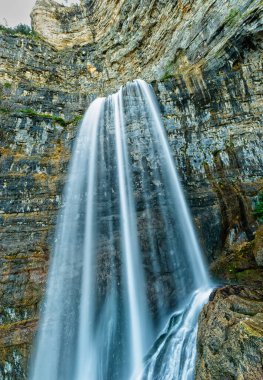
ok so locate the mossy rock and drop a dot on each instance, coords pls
(240, 265)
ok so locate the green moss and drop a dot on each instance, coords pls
(32, 113)
(238, 269)
(233, 17)
(250, 276)
(168, 72)
(5, 110)
(259, 207)
(166, 76)
(57, 119)
(239, 266)
(7, 85)
(77, 119)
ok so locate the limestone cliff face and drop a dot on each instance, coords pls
(204, 60)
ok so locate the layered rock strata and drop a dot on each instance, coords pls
(204, 60)
(231, 335)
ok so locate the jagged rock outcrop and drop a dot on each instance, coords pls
(231, 335)
(204, 60)
(241, 263)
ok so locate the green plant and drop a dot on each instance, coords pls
(259, 207)
(23, 29)
(4, 110)
(166, 76)
(59, 120)
(19, 29)
(31, 113)
(168, 72)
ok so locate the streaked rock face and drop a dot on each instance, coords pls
(204, 60)
(61, 26)
(231, 335)
(150, 38)
(76, 25)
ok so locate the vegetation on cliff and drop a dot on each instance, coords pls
(259, 207)
(20, 29)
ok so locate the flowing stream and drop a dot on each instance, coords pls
(125, 254)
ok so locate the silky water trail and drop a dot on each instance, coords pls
(125, 254)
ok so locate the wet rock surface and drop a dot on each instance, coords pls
(231, 335)
(204, 61)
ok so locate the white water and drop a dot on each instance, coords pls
(175, 354)
(125, 254)
(68, 2)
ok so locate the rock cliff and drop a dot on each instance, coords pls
(204, 60)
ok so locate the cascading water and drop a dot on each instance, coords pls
(68, 2)
(125, 254)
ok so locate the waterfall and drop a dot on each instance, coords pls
(67, 2)
(125, 254)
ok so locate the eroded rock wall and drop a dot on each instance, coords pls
(231, 335)
(204, 60)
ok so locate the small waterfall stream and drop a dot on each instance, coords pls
(125, 254)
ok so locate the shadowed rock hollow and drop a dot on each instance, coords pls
(204, 60)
